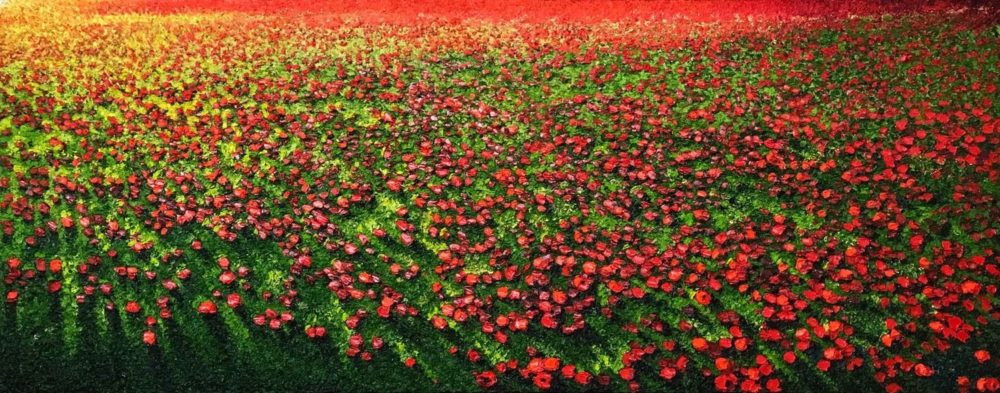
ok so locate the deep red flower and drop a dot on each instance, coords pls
(725, 383)
(543, 380)
(486, 379)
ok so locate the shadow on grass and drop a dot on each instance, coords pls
(10, 343)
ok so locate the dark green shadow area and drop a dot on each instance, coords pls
(194, 354)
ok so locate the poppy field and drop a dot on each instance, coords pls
(563, 195)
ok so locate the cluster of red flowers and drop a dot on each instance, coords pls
(572, 203)
(395, 11)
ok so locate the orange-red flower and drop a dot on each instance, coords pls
(207, 307)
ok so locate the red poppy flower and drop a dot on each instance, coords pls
(227, 277)
(703, 298)
(55, 266)
(699, 344)
(543, 380)
(207, 307)
(315, 332)
(486, 379)
(551, 364)
(722, 364)
(988, 384)
(725, 383)
(549, 322)
(439, 322)
(234, 300)
(922, 370)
